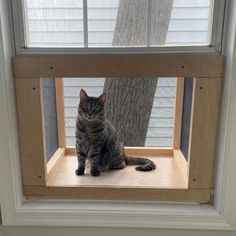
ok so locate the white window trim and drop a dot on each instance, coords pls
(16, 210)
(215, 45)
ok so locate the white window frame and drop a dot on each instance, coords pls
(17, 210)
(214, 47)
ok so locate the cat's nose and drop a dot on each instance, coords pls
(89, 116)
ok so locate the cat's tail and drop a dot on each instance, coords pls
(144, 163)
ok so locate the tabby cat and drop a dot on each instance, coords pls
(98, 141)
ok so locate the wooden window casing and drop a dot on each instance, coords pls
(207, 71)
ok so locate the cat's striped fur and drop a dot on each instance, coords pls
(98, 141)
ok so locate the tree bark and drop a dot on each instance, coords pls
(129, 100)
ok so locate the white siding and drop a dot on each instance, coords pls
(60, 22)
(160, 131)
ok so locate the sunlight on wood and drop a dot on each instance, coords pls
(168, 175)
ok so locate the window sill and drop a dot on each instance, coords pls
(117, 214)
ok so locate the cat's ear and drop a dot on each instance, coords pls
(83, 95)
(102, 98)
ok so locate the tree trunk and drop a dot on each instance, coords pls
(129, 100)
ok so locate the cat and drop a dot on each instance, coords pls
(98, 140)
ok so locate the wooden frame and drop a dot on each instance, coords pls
(60, 111)
(30, 120)
(203, 129)
(207, 71)
(178, 112)
(54, 159)
(138, 65)
(148, 151)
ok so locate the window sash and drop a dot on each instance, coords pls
(21, 49)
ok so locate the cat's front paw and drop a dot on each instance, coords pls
(80, 171)
(95, 172)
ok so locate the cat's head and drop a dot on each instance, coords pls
(91, 108)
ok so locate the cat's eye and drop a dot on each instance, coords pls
(84, 109)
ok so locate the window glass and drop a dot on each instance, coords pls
(51, 23)
(117, 23)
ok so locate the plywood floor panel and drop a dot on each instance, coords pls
(168, 175)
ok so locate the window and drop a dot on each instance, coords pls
(96, 23)
(102, 25)
(45, 31)
(17, 210)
